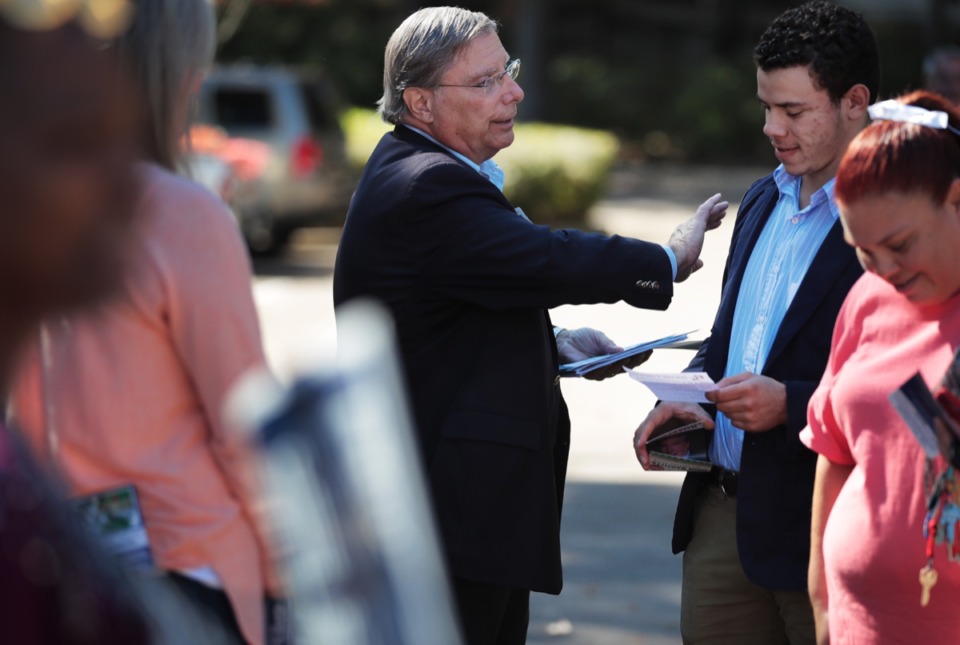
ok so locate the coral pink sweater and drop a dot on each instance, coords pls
(132, 392)
(873, 545)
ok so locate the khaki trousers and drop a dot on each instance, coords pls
(719, 605)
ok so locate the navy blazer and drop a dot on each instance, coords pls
(468, 281)
(775, 490)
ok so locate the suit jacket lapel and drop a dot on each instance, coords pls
(413, 138)
(830, 261)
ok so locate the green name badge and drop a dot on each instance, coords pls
(115, 518)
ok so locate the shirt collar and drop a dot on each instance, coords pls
(789, 186)
(489, 169)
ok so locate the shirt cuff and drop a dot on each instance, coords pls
(673, 260)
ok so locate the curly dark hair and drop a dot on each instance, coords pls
(835, 42)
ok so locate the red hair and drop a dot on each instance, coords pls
(891, 156)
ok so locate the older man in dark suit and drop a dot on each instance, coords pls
(469, 280)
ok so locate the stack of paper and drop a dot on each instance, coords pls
(685, 387)
(587, 365)
(678, 446)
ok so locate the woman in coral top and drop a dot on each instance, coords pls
(898, 187)
(130, 394)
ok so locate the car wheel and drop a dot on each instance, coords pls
(264, 237)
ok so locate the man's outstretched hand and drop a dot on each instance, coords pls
(687, 239)
(578, 344)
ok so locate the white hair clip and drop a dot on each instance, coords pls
(893, 110)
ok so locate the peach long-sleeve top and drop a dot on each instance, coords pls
(132, 392)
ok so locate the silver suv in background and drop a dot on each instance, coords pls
(303, 178)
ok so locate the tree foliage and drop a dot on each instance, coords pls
(673, 78)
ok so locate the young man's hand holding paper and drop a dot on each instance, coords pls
(752, 402)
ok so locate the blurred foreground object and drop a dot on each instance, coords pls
(125, 397)
(362, 560)
(56, 587)
(66, 143)
(100, 18)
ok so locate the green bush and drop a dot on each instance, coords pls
(363, 130)
(716, 117)
(555, 173)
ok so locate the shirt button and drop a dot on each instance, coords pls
(795, 220)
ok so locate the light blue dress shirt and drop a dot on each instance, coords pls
(492, 172)
(489, 169)
(784, 252)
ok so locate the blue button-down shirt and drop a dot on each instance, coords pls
(784, 252)
(489, 168)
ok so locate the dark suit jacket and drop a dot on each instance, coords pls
(469, 281)
(776, 471)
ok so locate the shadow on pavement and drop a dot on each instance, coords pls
(621, 585)
(311, 254)
(290, 267)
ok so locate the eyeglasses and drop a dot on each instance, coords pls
(512, 70)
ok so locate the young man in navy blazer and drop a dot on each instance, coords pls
(469, 280)
(745, 527)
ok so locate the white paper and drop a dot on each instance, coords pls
(685, 387)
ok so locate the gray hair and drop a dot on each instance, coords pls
(169, 43)
(421, 50)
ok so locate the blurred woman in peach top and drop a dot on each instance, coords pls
(130, 394)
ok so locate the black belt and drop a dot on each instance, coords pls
(727, 480)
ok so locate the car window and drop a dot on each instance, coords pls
(321, 117)
(242, 108)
